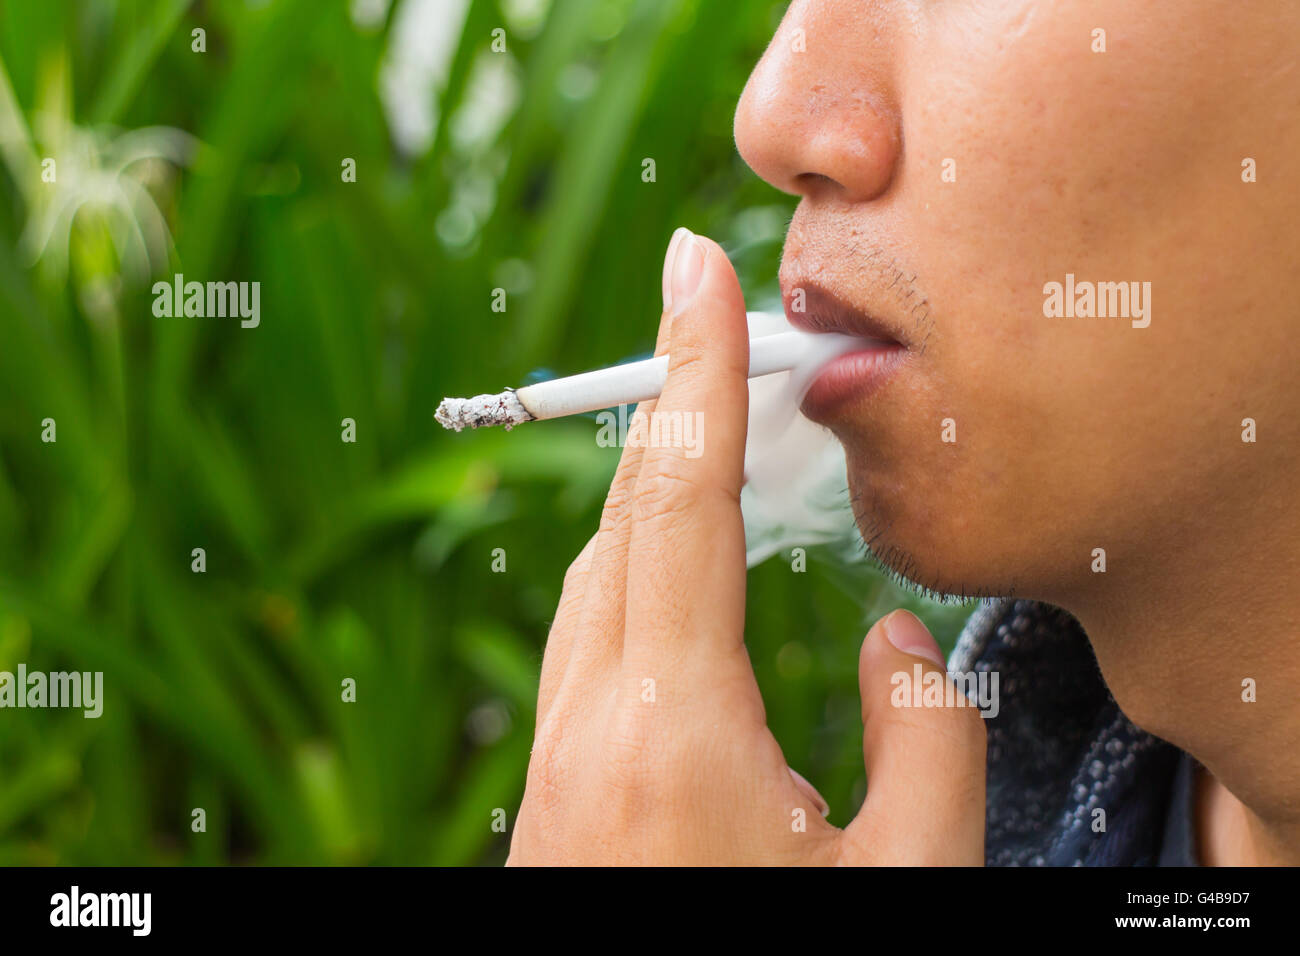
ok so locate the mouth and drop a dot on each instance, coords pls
(856, 374)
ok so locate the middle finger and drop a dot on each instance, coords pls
(598, 640)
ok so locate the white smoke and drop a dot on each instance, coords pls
(796, 490)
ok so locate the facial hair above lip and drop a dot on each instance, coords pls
(849, 284)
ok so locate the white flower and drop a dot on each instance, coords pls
(100, 181)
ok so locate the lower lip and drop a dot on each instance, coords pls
(849, 377)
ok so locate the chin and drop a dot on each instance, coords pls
(904, 528)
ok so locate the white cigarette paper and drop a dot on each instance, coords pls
(628, 384)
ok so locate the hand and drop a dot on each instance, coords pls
(652, 745)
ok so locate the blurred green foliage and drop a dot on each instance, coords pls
(329, 560)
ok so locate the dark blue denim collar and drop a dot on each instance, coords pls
(1071, 780)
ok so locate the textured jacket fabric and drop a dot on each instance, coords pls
(1071, 781)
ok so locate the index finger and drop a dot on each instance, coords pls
(686, 554)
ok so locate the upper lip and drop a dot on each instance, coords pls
(824, 311)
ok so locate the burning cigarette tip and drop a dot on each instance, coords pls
(504, 408)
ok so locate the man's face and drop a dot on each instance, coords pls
(956, 156)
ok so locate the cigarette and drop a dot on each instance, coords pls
(627, 384)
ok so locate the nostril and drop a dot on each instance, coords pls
(809, 182)
(819, 187)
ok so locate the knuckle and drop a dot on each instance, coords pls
(549, 768)
(628, 746)
(616, 504)
(689, 358)
(634, 762)
(666, 489)
(576, 573)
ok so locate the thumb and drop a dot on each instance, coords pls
(923, 743)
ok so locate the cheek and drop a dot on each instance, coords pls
(1029, 154)
(1029, 157)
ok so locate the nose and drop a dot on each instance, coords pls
(818, 115)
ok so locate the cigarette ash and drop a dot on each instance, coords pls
(504, 408)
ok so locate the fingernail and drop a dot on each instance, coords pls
(688, 268)
(669, 256)
(818, 800)
(905, 631)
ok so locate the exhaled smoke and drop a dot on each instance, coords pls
(796, 492)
